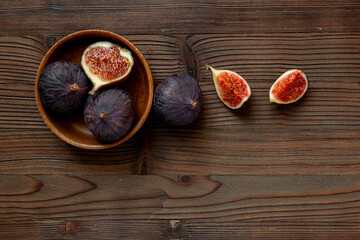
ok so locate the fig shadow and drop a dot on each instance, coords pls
(292, 106)
(245, 110)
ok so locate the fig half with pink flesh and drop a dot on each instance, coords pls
(289, 87)
(106, 63)
(231, 88)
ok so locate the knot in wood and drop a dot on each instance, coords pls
(185, 179)
(70, 227)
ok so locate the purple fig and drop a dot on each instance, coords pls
(109, 114)
(177, 100)
(63, 87)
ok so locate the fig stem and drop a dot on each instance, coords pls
(74, 87)
(214, 72)
(193, 105)
(102, 115)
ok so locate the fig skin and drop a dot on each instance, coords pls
(177, 100)
(109, 114)
(63, 87)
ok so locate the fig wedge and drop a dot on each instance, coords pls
(106, 63)
(289, 87)
(231, 88)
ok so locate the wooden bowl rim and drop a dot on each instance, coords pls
(112, 36)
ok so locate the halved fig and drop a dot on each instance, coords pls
(289, 87)
(231, 88)
(106, 63)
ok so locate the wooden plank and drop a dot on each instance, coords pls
(180, 207)
(319, 134)
(174, 229)
(175, 17)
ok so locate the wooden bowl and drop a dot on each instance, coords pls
(72, 128)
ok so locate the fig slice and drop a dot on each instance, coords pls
(231, 88)
(106, 63)
(289, 87)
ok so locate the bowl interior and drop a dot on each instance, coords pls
(72, 128)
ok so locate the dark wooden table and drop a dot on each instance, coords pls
(263, 172)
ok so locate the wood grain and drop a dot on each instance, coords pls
(173, 229)
(178, 17)
(262, 172)
(180, 207)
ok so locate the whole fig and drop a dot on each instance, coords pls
(63, 87)
(177, 100)
(109, 114)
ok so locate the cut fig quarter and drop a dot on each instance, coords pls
(106, 63)
(231, 88)
(289, 87)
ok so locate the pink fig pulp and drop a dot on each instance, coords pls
(289, 87)
(231, 88)
(106, 63)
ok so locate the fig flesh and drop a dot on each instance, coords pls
(109, 114)
(231, 88)
(63, 87)
(289, 87)
(177, 99)
(106, 63)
